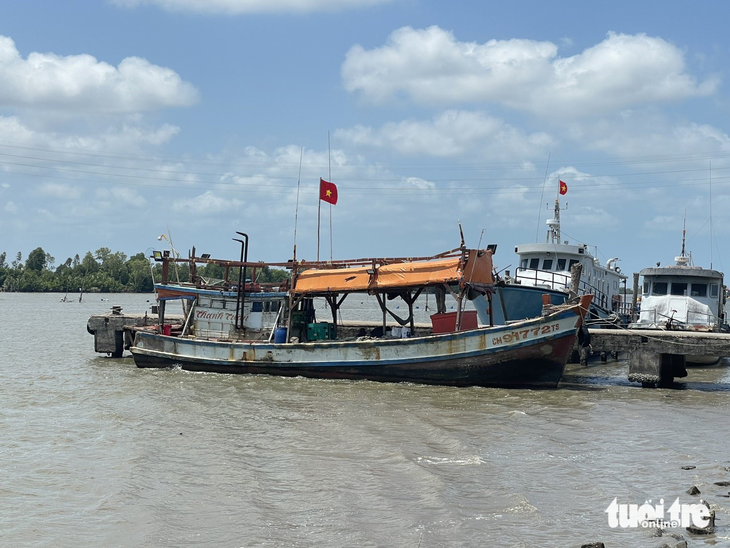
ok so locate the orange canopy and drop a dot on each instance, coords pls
(399, 275)
(334, 280)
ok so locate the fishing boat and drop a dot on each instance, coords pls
(545, 269)
(683, 297)
(217, 334)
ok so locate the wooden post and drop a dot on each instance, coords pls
(575, 272)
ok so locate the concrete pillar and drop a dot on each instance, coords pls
(651, 368)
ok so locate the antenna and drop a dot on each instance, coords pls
(542, 193)
(710, 213)
(684, 231)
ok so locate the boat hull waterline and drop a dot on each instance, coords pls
(530, 353)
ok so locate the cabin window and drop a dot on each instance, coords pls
(534, 263)
(699, 290)
(547, 264)
(714, 290)
(659, 288)
(646, 288)
(257, 306)
(523, 263)
(679, 288)
(572, 262)
(561, 264)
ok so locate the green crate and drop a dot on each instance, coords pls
(319, 331)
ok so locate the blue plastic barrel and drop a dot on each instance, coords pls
(280, 335)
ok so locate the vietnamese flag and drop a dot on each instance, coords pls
(563, 188)
(327, 192)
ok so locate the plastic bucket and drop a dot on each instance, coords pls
(280, 335)
(166, 329)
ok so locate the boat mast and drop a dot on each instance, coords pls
(553, 234)
(683, 260)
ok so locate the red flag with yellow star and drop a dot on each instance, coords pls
(563, 188)
(327, 192)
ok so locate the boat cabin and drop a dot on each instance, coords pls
(548, 265)
(682, 296)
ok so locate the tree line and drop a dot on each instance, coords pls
(103, 271)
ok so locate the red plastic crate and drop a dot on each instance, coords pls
(446, 323)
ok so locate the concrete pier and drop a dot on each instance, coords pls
(110, 336)
(657, 357)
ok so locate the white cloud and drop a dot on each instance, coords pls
(430, 66)
(60, 191)
(84, 84)
(16, 135)
(452, 133)
(207, 203)
(644, 134)
(117, 197)
(420, 184)
(253, 6)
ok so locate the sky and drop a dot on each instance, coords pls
(123, 120)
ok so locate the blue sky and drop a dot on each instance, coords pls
(123, 120)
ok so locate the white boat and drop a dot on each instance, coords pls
(217, 335)
(683, 297)
(545, 269)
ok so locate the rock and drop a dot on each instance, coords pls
(594, 545)
(723, 483)
(688, 467)
(709, 529)
(693, 490)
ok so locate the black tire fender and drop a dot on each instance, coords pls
(584, 336)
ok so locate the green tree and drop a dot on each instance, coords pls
(37, 260)
(140, 274)
(89, 264)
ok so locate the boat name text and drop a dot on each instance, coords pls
(223, 316)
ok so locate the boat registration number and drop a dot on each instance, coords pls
(523, 334)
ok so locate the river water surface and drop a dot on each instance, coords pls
(98, 453)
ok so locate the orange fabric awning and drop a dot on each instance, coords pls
(333, 280)
(392, 276)
(399, 275)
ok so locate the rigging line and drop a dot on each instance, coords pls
(296, 210)
(329, 174)
(542, 193)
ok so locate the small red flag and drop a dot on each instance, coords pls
(563, 188)
(327, 192)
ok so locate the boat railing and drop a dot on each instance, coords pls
(543, 278)
(560, 281)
